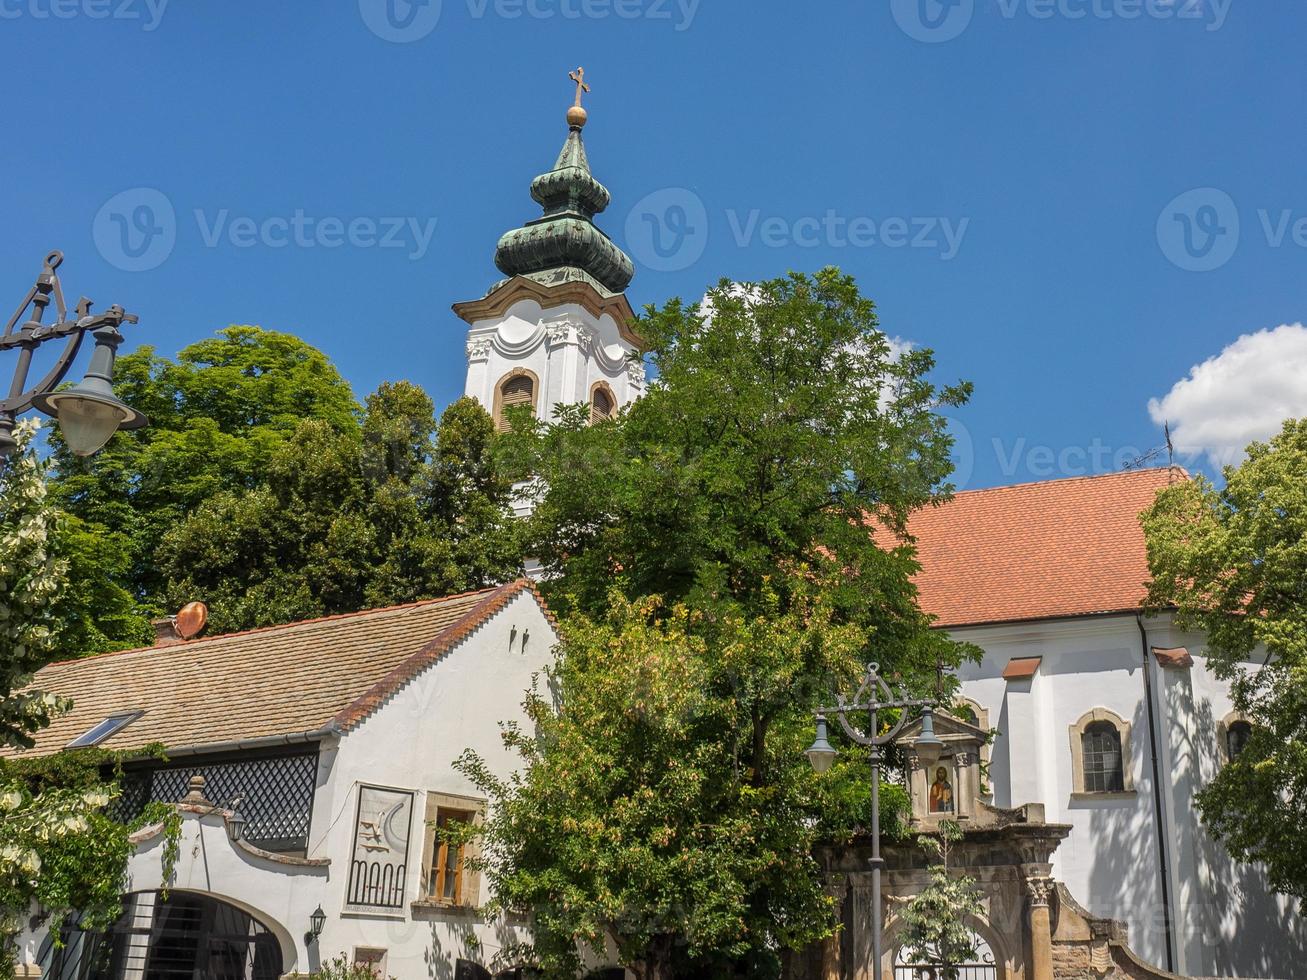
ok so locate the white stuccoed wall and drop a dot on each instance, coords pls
(1227, 921)
(410, 743)
(565, 346)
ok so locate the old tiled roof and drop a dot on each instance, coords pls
(276, 681)
(1037, 550)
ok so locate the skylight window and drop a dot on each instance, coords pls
(110, 726)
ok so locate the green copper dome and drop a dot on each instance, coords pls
(566, 236)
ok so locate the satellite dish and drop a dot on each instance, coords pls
(191, 619)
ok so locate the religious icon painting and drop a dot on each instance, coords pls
(941, 792)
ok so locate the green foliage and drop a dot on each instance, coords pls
(340, 967)
(59, 850)
(781, 430)
(646, 814)
(32, 580)
(262, 488)
(396, 510)
(723, 553)
(934, 920)
(1233, 562)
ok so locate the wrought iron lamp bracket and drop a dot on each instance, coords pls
(874, 696)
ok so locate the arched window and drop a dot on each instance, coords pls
(517, 389)
(1101, 749)
(1237, 734)
(602, 404)
(1100, 754)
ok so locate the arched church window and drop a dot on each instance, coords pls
(518, 389)
(602, 404)
(1237, 734)
(1100, 754)
(1101, 749)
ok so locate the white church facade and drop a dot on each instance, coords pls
(325, 750)
(1106, 716)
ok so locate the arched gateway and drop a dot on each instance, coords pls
(188, 936)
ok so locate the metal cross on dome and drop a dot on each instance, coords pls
(578, 76)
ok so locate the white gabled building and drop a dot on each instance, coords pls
(1108, 717)
(328, 747)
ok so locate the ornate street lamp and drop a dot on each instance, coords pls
(88, 413)
(873, 697)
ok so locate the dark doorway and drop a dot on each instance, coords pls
(187, 937)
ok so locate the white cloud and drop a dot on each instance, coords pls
(1242, 394)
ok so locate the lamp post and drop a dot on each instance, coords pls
(873, 697)
(88, 413)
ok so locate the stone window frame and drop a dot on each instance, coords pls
(607, 389)
(371, 956)
(1077, 732)
(470, 886)
(497, 413)
(1223, 733)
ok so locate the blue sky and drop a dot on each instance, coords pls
(1012, 181)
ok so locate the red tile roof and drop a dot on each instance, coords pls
(273, 681)
(1037, 550)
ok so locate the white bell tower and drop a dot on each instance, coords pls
(557, 330)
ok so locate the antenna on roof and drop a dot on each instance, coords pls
(1170, 447)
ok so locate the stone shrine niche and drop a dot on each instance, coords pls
(949, 789)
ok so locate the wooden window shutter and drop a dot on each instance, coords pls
(517, 390)
(601, 406)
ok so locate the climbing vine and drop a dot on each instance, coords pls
(62, 851)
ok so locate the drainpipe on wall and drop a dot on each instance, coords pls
(1157, 797)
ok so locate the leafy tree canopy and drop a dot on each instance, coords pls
(262, 488)
(217, 416)
(1233, 562)
(396, 510)
(725, 552)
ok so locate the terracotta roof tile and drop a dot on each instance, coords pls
(1037, 550)
(279, 680)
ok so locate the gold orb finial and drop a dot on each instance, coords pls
(576, 115)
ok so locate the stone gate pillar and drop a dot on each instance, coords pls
(1039, 887)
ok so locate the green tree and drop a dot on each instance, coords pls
(763, 486)
(637, 819)
(1233, 562)
(934, 920)
(395, 510)
(217, 414)
(58, 851)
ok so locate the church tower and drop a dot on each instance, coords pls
(557, 330)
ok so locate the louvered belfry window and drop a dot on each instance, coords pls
(601, 406)
(517, 390)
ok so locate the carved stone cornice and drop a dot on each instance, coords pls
(635, 374)
(479, 349)
(518, 288)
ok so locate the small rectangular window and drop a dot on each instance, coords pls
(447, 858)
(110, 726)
(371, 958)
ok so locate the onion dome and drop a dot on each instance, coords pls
(565, 238)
